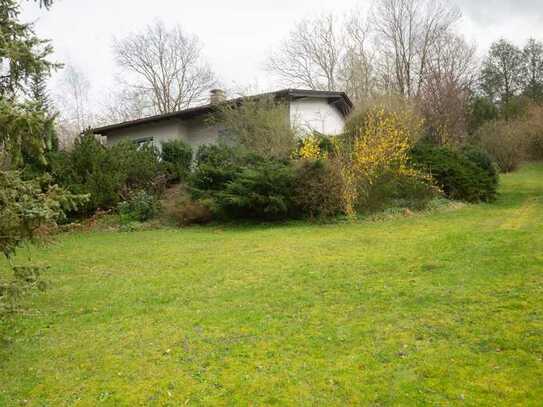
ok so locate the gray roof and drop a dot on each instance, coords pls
(338, 99)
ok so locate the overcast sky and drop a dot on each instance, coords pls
(237, 34)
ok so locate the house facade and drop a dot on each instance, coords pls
(308, 110)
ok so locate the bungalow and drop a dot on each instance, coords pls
(310, 110)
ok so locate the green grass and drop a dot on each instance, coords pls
(438, 309)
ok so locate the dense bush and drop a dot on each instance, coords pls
(235, 183)
(466, 177)
(189, 212)
(397, 190)
(483, 160)
(259, 125)
(405, 113)
(177, 158)
(107, 174)
(315, 146)
(533, 129)
(259, 191)
(535, 146)
(137, 166)
(318, 188)
(375, 161)
(140, 206)
(505, 141)
(216, 165)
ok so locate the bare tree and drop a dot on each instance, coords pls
(407, 30)
(310, 57)
(166, 64)
(357, 71)
(126, 103)
(450, 75)
(72, 99)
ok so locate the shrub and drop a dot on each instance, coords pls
(309, 148)
(536, 146)
(314, 146)
(533, 127)
(483, 160)
(379, 163)
(505, 141)
(177, 157)
(137, 166)
(259, 125)
(318, 188)
(457, 175)
(140, 206)
(215, 165)
(191, 212)
(108, 175)
(259, 191)
(404, 111)
(87, 169)
(398, 190)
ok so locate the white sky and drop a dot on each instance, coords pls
(237, 34)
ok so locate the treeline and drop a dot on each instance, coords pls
(413, 49)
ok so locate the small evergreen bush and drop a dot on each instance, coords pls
(260, 191)
(216, 165)
(177, 158)
(140, 206)
(108, 175)
(465, 177)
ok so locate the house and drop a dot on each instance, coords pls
(309, 110)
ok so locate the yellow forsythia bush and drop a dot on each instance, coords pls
(375, 163)
(310, 148)
(383, 144)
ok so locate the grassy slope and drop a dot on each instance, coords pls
(429, 310)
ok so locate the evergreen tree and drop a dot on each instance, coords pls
(23, 125)
(38, 92)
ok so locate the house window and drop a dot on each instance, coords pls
(143, 141)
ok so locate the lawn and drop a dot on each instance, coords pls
(437, 309)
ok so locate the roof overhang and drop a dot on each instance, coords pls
(338, 99)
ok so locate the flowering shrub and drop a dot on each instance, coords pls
(383, 145)
(310, 148)
(376, 171)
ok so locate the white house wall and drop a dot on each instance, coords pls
(194, 132)
(198, 133)
(314, 114)
(159, 132)
(308, 114)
